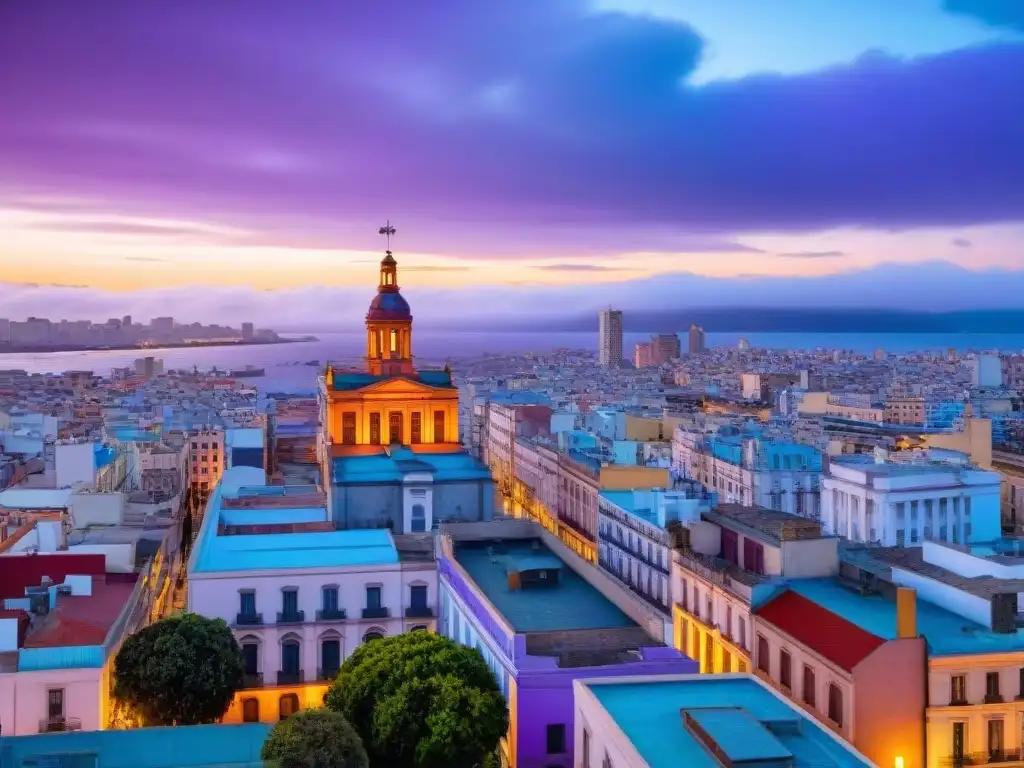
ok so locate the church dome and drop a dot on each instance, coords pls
(389, 305)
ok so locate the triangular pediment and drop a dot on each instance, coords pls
(397, 385)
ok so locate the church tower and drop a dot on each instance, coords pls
(389, 321)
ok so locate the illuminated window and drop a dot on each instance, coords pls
(394, 427)
(394, 340)
(348, 429)
(374, 429)
(416, 433)
(439, 426)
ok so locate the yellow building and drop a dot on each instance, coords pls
(389, 442)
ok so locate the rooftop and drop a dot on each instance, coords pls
(572, 604)
(195, 746)
(947, 633)
(770, 525)
(351, 380)
(743, 718)
(217, 551)
(391, 465)
(83, 620)
(35, 498)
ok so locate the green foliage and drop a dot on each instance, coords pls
(421, 701)
(184, 670)
(316, 738)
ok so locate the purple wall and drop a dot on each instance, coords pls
(545, 694)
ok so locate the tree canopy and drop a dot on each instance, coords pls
(184, 670)
(315, 738)
(421, 701)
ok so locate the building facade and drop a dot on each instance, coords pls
(609, 337)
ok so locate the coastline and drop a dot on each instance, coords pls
(23, 349)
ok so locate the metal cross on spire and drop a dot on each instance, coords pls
(388, 231)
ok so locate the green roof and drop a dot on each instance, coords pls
(349, 380)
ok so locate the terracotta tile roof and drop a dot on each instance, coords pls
(82, 620)
(827, 634)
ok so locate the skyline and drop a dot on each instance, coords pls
(555, 151)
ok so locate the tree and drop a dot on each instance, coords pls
(184, 670)
(420, 701)
(316, 738)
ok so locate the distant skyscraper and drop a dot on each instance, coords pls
(696, 339)
(658, 351)
(610, 337)
(247, 331)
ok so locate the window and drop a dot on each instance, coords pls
(250, 658)
(395, 429)
(1020, 683)
(290, 657)
(992, 687)
(330, 598)
(709, 653)
(418, 523)
(995, 740)
(959, 740)
(728, 620)
(287, 706)
(835, 704)
(418, 596)
(289, 601)
(741, 632)
(416, 428)
(250, 710)
(809, 686)
(348, 428)
(763, 661)
(439, 427)
(55, 705)
(556, 739)
(374, 429)
(785, 669)
(726, 661)
(330, 658)
(586, 748)
(247, 602)
(394, 333)
(958, 689)
(373, 597)
(373, 634)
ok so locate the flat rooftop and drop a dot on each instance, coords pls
(571, 605)
(220, 550)
(391, 466)
(947, 633)
(82, 620)
(735, 711)
(770, 525)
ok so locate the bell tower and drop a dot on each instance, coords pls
(389, 321)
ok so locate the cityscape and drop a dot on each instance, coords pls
(675, 418)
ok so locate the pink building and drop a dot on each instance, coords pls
(62, 621)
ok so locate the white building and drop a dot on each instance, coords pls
(683, 720)
(300, 595)
(934, 494)
(744, 467)
(609, 342)
(633, 544)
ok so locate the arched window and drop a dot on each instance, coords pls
(287, 706)
(250, 659)
(250, 710)
(291, 655)
(418, 523)
(394, 340)
(394, 429)
(330, 655)
(376, 633)
(420, 628)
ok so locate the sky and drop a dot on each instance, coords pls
(230, 160)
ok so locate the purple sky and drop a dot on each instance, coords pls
(220, 142)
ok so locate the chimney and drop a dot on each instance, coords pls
(906, 613)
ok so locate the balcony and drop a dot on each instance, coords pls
(59, 724)
(329, 675)
(252, 680)
(291, 617)
(331, 614)
(1004, 757)
(376, 613)
(419, 612)
(290, 678)
(249, 619)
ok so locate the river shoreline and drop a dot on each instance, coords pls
(35, 349)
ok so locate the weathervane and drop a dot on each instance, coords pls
(388, 231)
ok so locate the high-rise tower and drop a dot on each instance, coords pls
(610, 337)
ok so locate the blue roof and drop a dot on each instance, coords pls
(391, 468)
(348, 380)
(649, 713)
(216, 553)
(947, 633)
(193, 746)
(244, 437)
(104, 454)
(571, 604)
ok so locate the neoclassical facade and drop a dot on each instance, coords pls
(389, 444)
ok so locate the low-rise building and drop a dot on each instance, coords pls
(543, 617)
(300, 594)
(695, 720)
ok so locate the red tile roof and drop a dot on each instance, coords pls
(84, 620)
(827, 634)
(20, 571)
